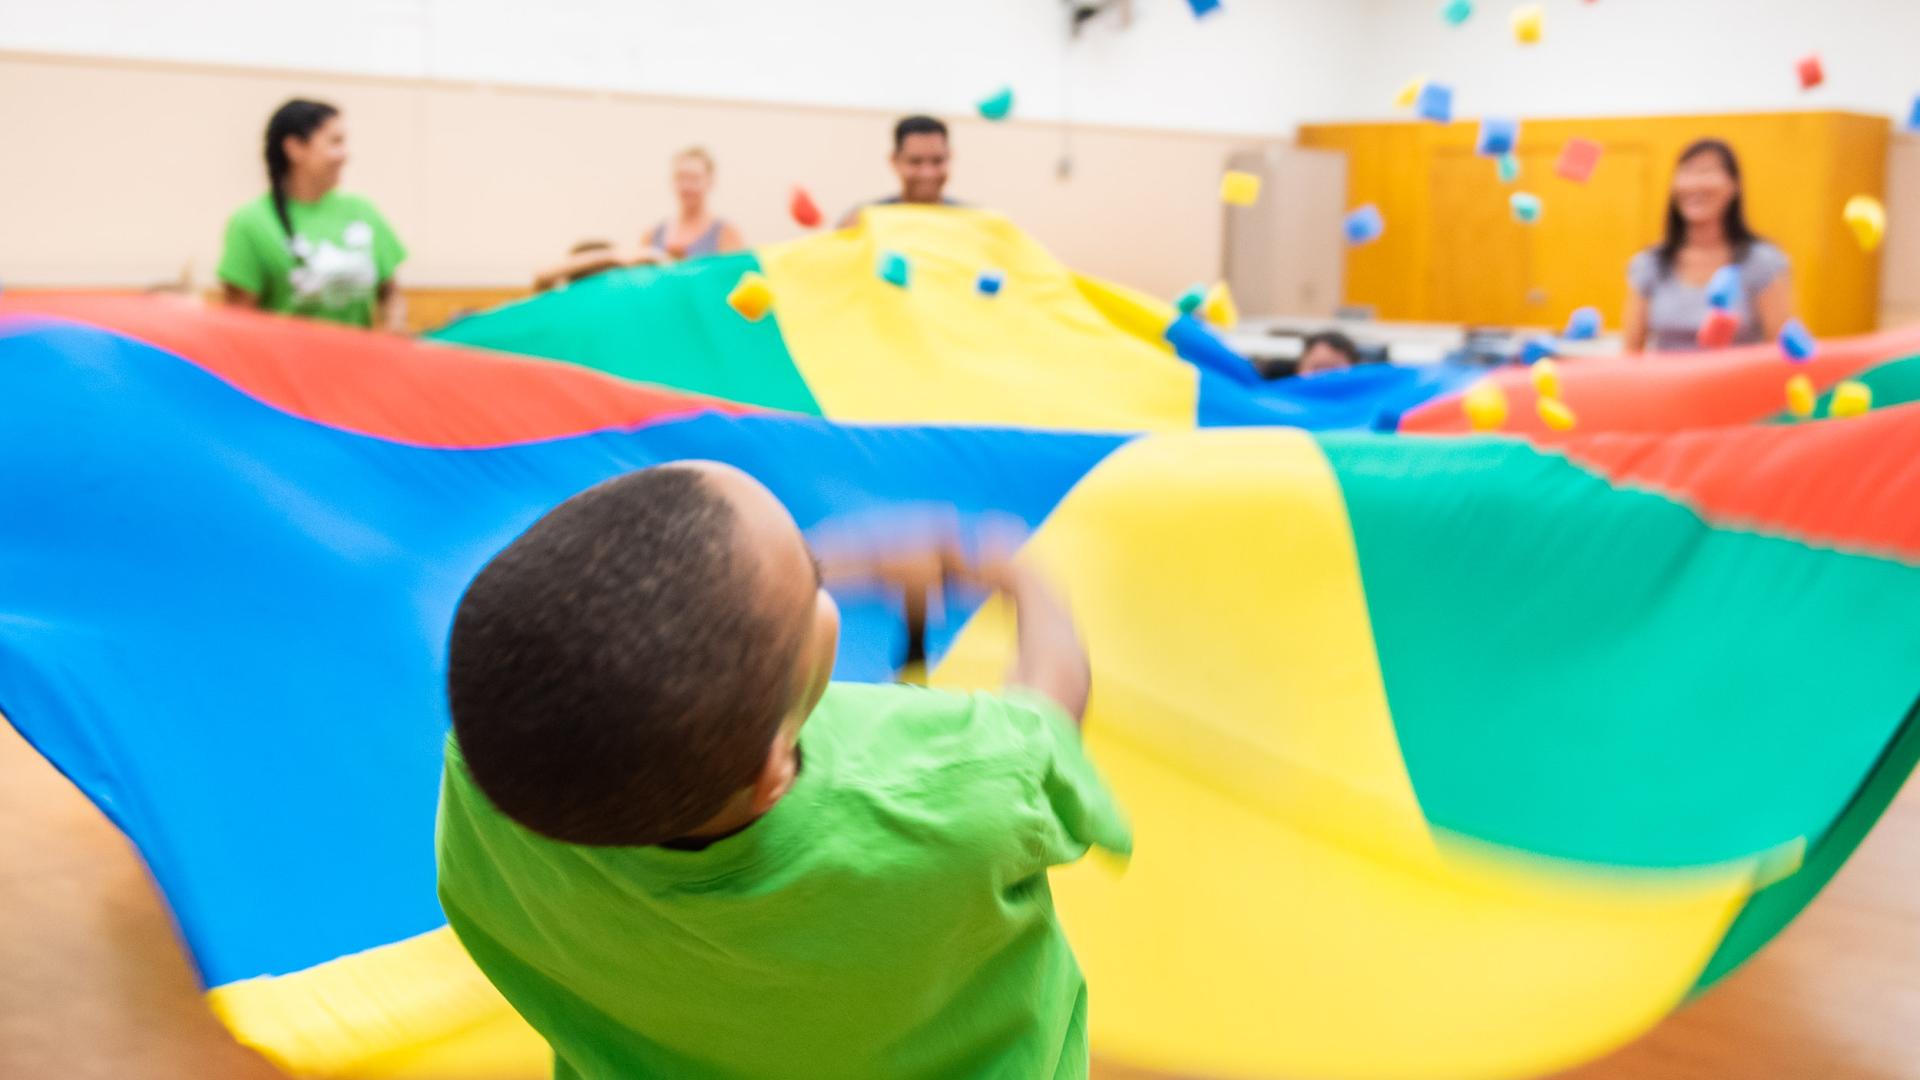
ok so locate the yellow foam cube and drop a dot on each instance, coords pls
(1528, 24)
(1239, 188)
(1546, 378)
(1801, 396)
(1555, 414)
(1410, 93)
(1486, 406)
(1850, 399)
(752, 297)
(1867, 217)
(1219, 309)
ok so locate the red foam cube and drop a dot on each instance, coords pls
(1812, 74)
(1577, 160)
(805, 213)
(1718, 329)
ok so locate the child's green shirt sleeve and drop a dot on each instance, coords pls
(240, 263)
(1082, 812)
(388, 251)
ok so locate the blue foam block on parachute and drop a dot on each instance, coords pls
(893, 269)
(1436, 103)
(1365, 225)
(1537, 349)
(1457, 12)
(1498, 135)
(990, 282)
(1724, 288)
(1583, 324)
(1797, 341)
(1203, 8)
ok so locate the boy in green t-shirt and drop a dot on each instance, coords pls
(679, 851)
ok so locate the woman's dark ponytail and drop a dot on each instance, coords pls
(297, 119)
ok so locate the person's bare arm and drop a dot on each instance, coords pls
(234, 296)
(1633, 324)
(1774, 306)
(390, 311)
(730, 239)
(574, 267)
(1049, 657)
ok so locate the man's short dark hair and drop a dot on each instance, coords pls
(916, 125)
(1335, 340)
(612, 676)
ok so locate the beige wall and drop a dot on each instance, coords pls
(1900, 261)
(121, 173)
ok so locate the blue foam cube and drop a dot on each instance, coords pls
(1724, 288)
(1457, 12)
(1913, 118)
(1537, 349)
(1203, 8)
(1583, 324)
(1509, 168)
(893, 269)
(989, 282)
(1365, 225)
(1526, 207)
(1797, 342)
(1498, 136)
(1436, 103)
(1190, 301)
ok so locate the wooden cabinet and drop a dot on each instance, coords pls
(1453, 252)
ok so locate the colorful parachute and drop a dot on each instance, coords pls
(1446, 756)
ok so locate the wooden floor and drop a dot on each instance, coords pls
(93, 985)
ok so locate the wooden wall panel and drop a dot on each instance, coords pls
(1451, 254)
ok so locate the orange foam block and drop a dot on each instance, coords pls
(1812, 72)
(805, 212)
(1578, 159)
(1718, 329)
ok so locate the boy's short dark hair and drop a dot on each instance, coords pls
(916, 125)
(1335, 340)
(612, 677)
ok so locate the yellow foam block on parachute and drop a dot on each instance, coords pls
(1288, 910)
(1867, 217)
(1546, 378)
(1801, 396)
(1219, 309)
(1239, 188)
(752, 297)
(1555, 414)
(1529, 21)
(1410, 93)
(1850, 398)
(1486, 406)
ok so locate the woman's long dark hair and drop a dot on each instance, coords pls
(1739, 235)
(297, 119)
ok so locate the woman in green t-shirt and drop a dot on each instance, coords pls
(305, 248)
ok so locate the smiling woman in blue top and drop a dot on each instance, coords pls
(1707, 231)
(305, 247)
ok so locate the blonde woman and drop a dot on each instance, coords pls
(694, 232)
